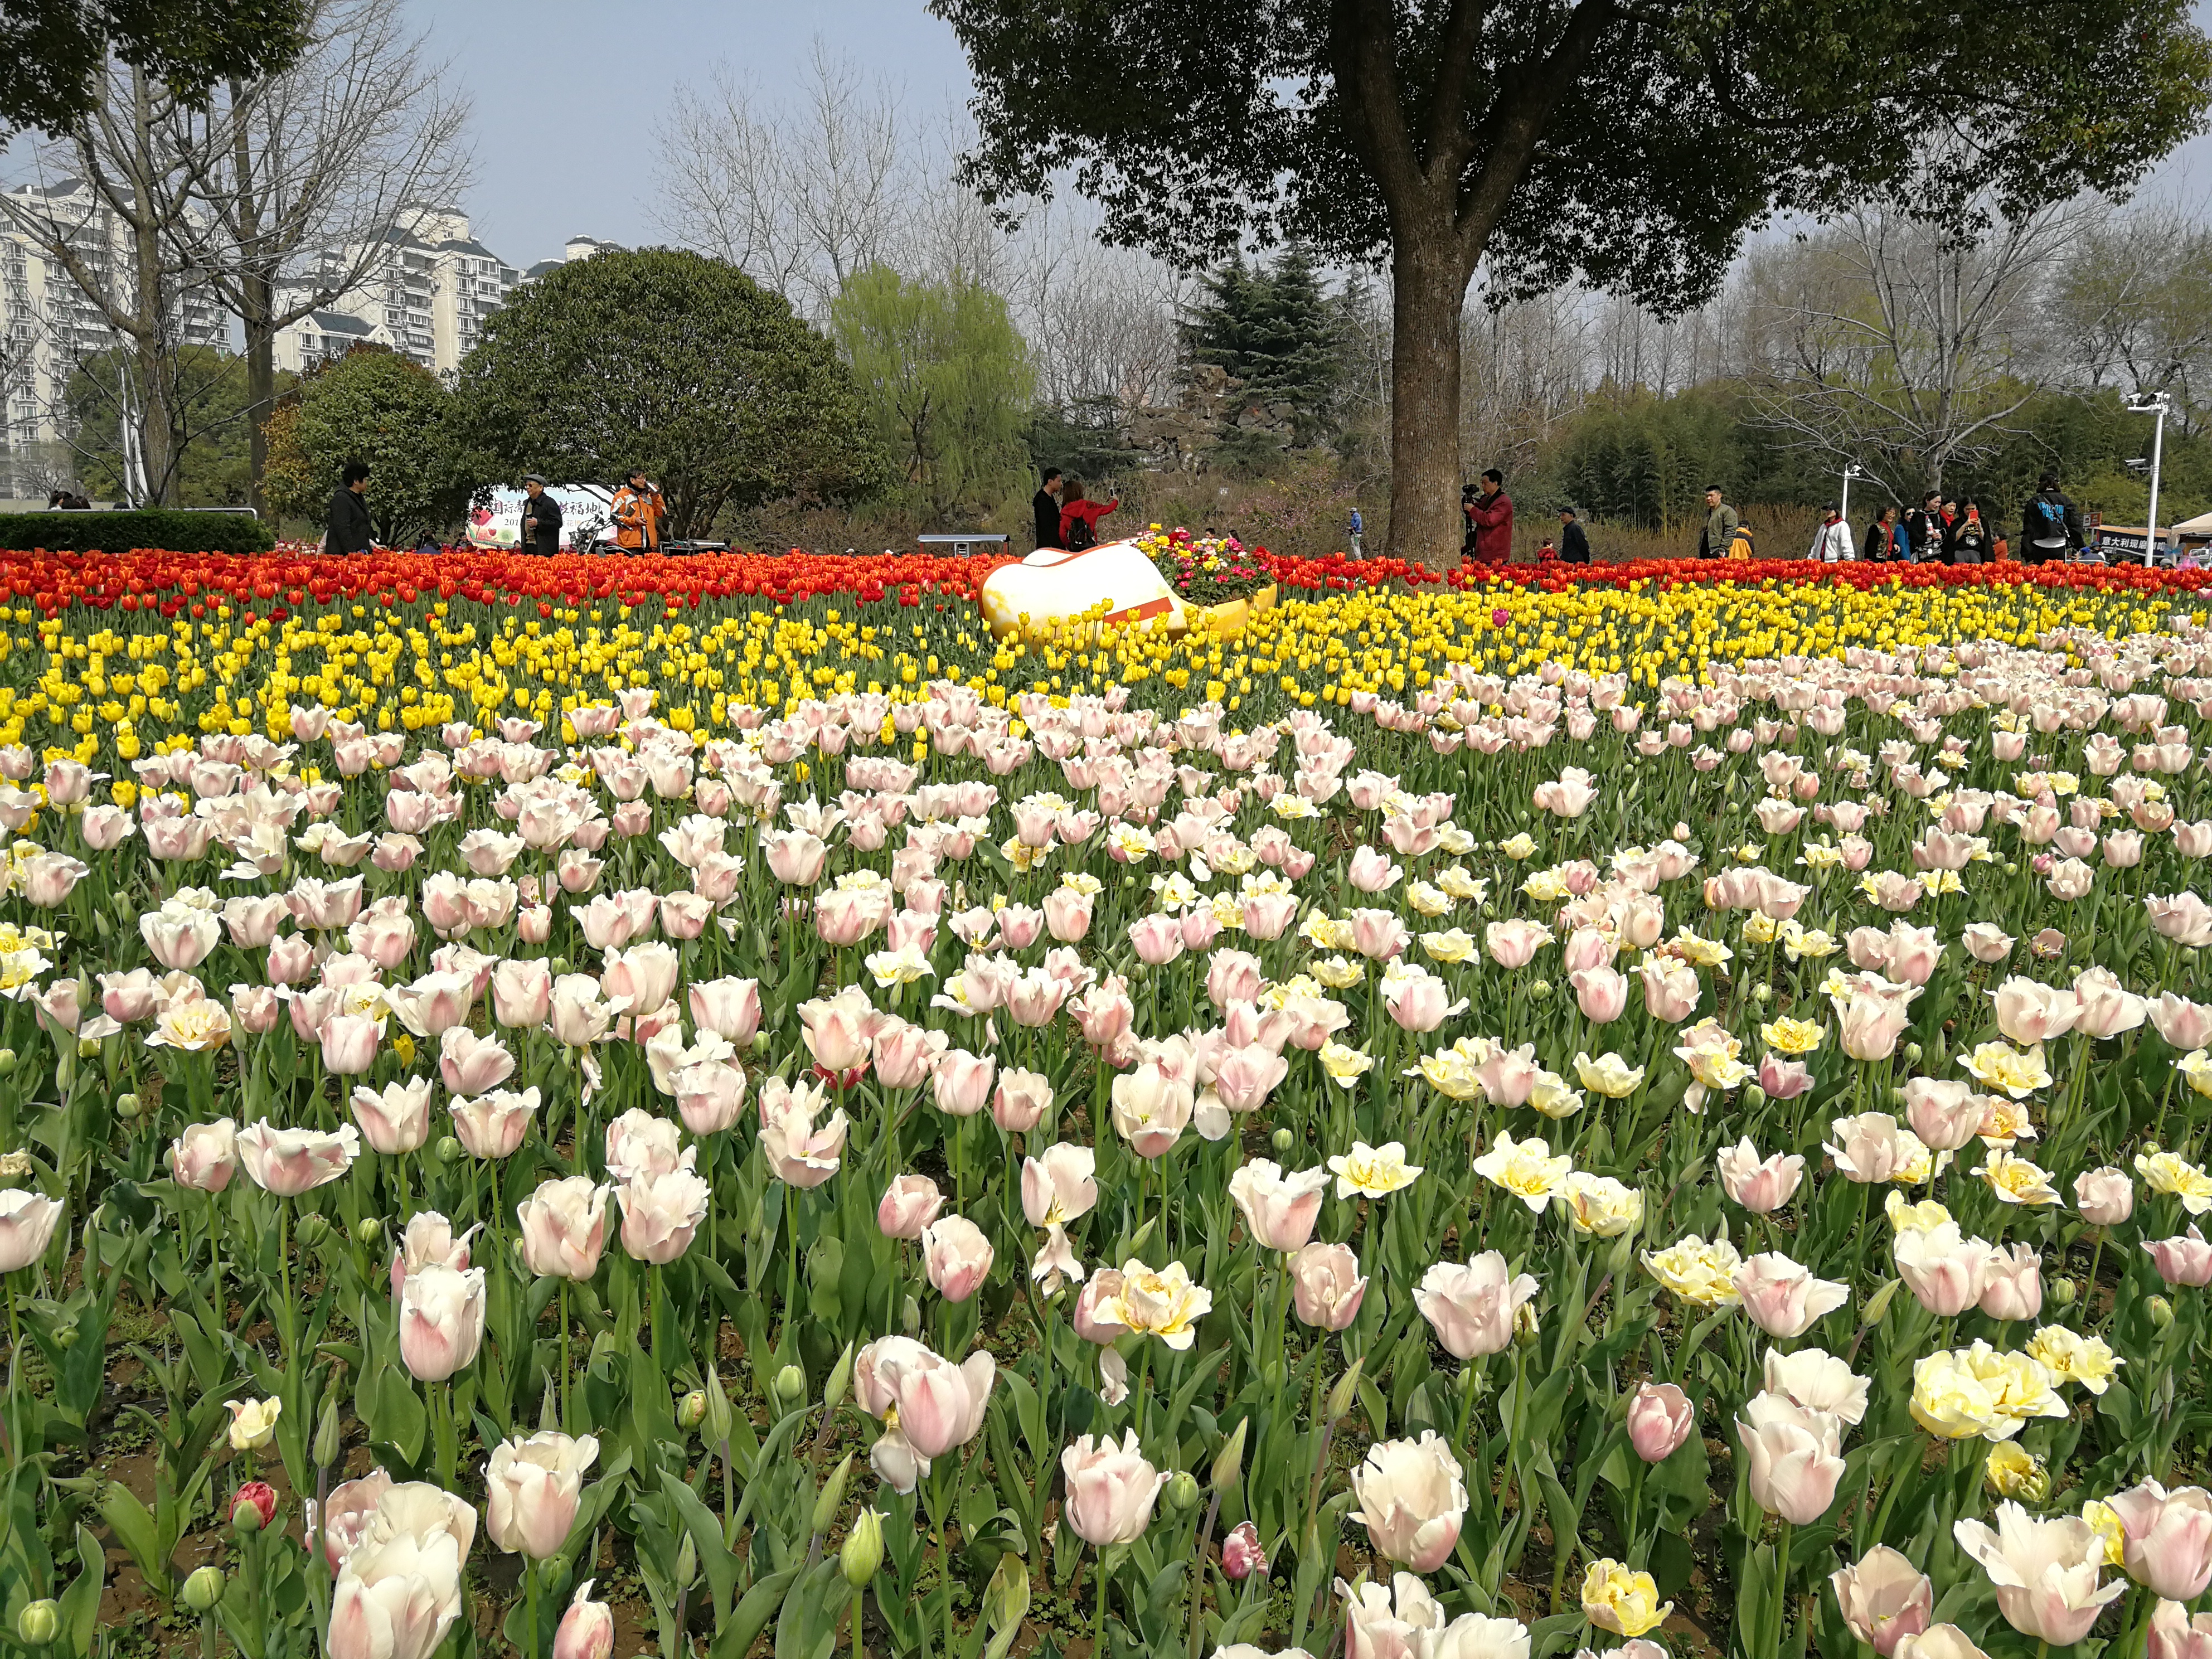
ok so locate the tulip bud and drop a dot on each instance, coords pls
(327, 1446)
(449, 1150)
(687, 1561)
(39, 1623)
(313, 1229)
(65, 1337)
(1006, 1598)
(1345, 1391)
(1283, 1141)
(2161, 1311)
(692, 1410)
(1542, 988)
(203, 1588)
(559, 965)
(553, 1572)
(7, 1062)
(790, 1386)
(126, 1107)
(832, 1496)
(864, 1549)
(245, 1516)
(2062, 1292)
(720, 1417)
(840, 1379)
(1230, 1463)
(369, 1231)
(911, 1316)
(1762, 993)
(1913, 1054)
(1871, 1311)
(1182, 1491)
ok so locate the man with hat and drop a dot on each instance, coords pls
(639, 511)
(541, 519)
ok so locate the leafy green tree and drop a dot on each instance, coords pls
(375, 406)
(55, 49)
(1625, 144)
(1278, 336)
(213, 421)
(671, 362)
(947, 382)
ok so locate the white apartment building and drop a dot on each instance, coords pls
(50, 327)
(430, 285)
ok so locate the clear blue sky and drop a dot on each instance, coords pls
(581, 160)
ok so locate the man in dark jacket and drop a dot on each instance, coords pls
(1574, 545)
(2051, 523)
(1046, 508)
(541, 519)
(348, 529)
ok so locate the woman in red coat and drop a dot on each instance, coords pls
(1076, 511)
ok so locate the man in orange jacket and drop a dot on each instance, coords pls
(641, 513)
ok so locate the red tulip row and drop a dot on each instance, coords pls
(171, 583)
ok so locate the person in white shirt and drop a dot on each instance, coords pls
(1832, 538)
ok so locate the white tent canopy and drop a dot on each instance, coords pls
(2199, 525)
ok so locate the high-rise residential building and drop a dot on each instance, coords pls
(50, 328)
(428, 287)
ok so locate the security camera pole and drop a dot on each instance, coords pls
(1851, 469)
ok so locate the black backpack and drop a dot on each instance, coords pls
(2050, 524)
(1081, 534)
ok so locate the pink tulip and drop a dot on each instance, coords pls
(2168, 1538)
(2105, 1196)
(1411, 1499)
(1326, 1285)
(393, 1119)
(729, 1007)
(1671, 990)
(471, 1064)
(1280, 1210)
(1795, 1457)
(1471, 1307)
(442, 1320)
(1021, 1101)
(1782, 1079)
(290, 1162)
(1602, 994)
(1110, 1489)
(586, 1629)
(493, 1126)
(1945, 1113)
(909, 1204)
(1761, 1185)
(2184, 1259)
(1884, 1599)
(661, 1210)
(1782, 1297)
(2014, 1287)
(564, 1228)
(205, 1156)
(710, 1096)
(1660, 1418)
(957, 1256)
(1158, 939)
(2045, 1571)
(960, 1083)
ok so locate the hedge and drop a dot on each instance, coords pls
(123, 532)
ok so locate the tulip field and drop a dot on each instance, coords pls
(712, 1106)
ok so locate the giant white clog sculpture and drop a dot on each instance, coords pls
(1051, 586)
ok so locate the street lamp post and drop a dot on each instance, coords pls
(1852, 470)
(2154, 405)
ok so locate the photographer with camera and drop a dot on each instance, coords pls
(1489, 512)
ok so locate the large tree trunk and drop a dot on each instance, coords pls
(1431, 288)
